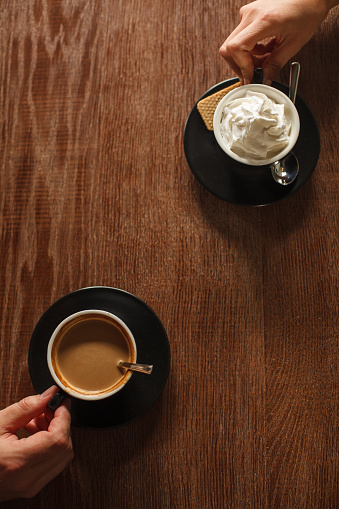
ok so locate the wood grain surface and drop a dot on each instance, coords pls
(96, 190)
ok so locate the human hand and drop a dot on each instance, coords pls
(270, 33)
(28, 464)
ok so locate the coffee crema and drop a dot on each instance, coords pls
(87, 351)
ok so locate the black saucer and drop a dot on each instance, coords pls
(239, 183)
(142, 390)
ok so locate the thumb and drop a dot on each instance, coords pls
(275, 62)
(19, 414)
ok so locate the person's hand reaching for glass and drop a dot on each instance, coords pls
(28, 464)
(270, 33)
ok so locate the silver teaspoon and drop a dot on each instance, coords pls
(142, 368)
(286, 170)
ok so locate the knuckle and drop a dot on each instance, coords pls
(244, 10)
(270, 18)
(249, 10)
(258, 15)
(24, 404)
(230, 47)
(62, 442)
(223, 52)
(13, 467)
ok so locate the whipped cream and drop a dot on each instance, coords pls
(255, 126)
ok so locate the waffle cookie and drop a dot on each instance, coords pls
(207, 106)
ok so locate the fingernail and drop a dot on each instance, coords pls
(268, 82)
(48, 392)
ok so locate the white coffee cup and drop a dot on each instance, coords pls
(84, 352)
(278, 97)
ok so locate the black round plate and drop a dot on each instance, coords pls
(142, 390)
(239, 183)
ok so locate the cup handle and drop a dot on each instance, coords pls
(258, 75)
(56, 400)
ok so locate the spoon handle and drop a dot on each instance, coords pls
(294, 78)
(142, 368)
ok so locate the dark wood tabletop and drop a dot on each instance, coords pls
(96, 191)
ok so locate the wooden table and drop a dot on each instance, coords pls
(96, 190)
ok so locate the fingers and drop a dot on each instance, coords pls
(62, 418)
(56, 439)
(263, 48)
(242, 64)
(241, 46)
(40, 423)
(21, 413)
(276, 60)
(243, 57)
(41, 456)
(270, 33)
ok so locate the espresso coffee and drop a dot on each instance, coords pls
(86, 353)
